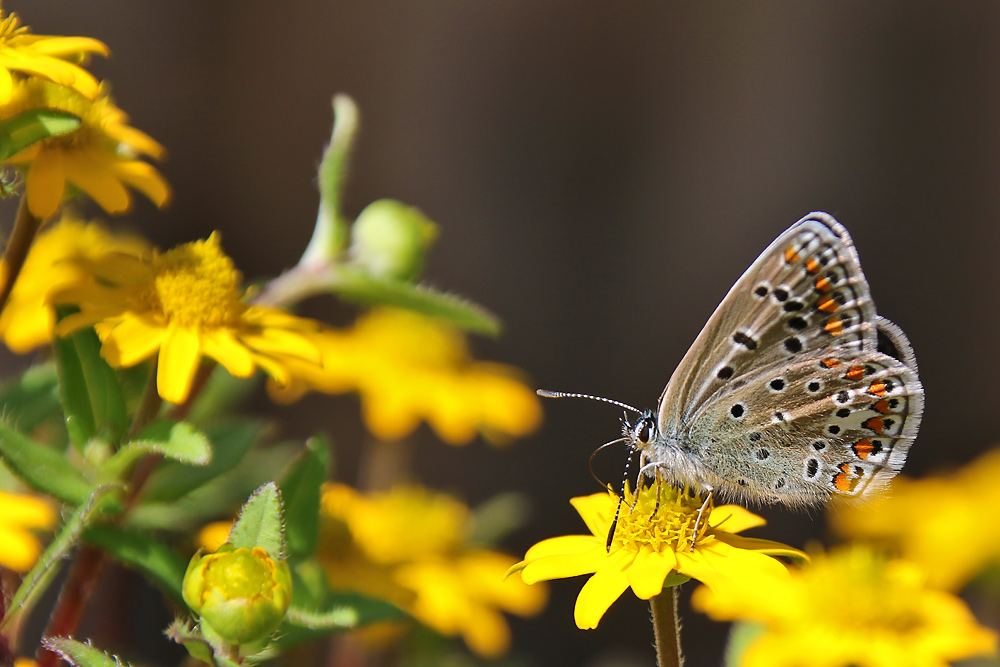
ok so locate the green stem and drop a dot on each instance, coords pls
(666, 628)
(25, 227)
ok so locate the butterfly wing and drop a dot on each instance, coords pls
(785, 394)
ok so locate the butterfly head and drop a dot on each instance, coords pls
(642, 432)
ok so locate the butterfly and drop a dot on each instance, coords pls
(795, 390)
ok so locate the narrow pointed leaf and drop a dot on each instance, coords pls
(73, 390)
(79, 654)
(300, 491)
(342, 611)
(34, 125)
(178, 441)
(150, 556)
(42, 468)
(372, 290)
(260, 522)
(37, 581)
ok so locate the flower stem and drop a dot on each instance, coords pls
(72, 600)
(25, 227)
(666, 628)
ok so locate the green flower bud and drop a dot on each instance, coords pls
(390, 239)
(240, 594)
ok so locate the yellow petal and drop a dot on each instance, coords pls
(6, 85)
(97, 180)
(26, 511)
(63, 46)
(276, 341)
(564, 566)
(734, 519)
(222, 346)
(144, 178)
(597, 511)
(563, 545)
(45, 183)
(716, 564)
(650, 569)
(135, 339)
(606, 586)
(178, 363)
(762, 546)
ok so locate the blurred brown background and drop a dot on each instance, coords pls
(602, 173)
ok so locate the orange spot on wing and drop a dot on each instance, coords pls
(855, 373)
(827, 305)
(834, 326)
(863, 448)
(791, 255)
(824, 284)
(842, 482)
(812, 266)
(877, 388)
(831, 362)
(876, 424)
(882, 406)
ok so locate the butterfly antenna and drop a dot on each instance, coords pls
(590, 462)
(621, 496)
(545, 393)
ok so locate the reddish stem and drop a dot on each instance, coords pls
(72, 600)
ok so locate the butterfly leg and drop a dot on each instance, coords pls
(701, 513)
(656, 508)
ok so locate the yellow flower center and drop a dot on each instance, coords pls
(196, 285)
(241, 574)
(663, 518)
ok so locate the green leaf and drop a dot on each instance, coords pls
(150, 556)
(222, 394)
(93, 399)
(300, 490)
(356, 285)
(79, 654)
(330, 234)
(260, 522)
(37, 581)
(231, 440)
(42, 468)
(178, 441)
(33, 125)
(181, 632)
(32, 398)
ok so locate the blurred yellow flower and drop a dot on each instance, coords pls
(652, 548)
(44, 56)
(20, 516)
(213, 535)
(100, 157)
(27, 320)
(923, 519)
(180, 306)
(408, 368)
(410, 546)
(851, 607)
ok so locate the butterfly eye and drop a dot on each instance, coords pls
(644, 431)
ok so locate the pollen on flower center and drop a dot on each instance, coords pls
(667, 525)
(196, 285)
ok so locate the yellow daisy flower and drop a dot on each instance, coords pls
(180, 306)
(922, 519)
(44, 56)
(27, 320)
(20, 516)
(654, 546)
(99, 157)
(410, 546)
(408, 368)
(851, 607)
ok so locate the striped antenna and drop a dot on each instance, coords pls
(545, 393)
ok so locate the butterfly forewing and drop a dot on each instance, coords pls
(785, 395)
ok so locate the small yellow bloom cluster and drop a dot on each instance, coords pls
(408, 367)
(654, 546)
(851, 607)
(410, 546)
(100, 156)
